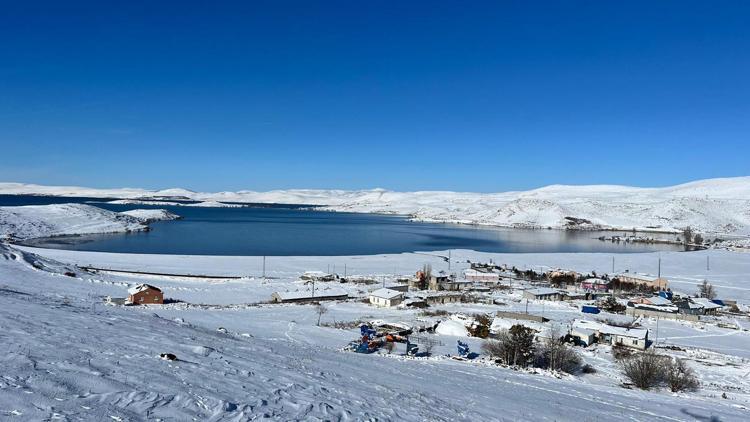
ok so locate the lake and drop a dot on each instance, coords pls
(298, 230)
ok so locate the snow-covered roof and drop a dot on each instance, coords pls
(639, 276)
(705, 302)
(639, 333)
(593, 280)
(470, 272)
(142, 287)
(386, 293)
(543, 291)
(659, 301)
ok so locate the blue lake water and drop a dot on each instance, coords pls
(296, 230)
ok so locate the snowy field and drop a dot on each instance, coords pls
(78, 359)
(714, 206)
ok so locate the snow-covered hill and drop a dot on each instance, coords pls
(63, 219)
(150, 215)
(710, 206)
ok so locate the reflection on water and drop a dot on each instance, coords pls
(295, 231)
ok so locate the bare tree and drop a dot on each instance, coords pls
(320, 309)
(554, 354)
(707, 290)
(681, 377)
(645, 370)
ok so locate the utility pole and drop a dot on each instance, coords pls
(344, 270)
(708, 266)
(264, 267)
(613, 265)
(659, 276)
(449, 260)
(527, 306)
(313, 288)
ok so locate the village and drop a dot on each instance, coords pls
(556, 320)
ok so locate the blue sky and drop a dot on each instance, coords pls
(468, 96)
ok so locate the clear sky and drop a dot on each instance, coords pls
(404, 95)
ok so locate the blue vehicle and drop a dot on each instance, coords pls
(588, 309)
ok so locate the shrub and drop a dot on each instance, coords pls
(680, 377)
(588, 369)
(481, 328)
(645, 370)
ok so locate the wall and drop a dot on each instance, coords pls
(663, 315)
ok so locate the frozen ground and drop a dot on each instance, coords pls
(714, 206)
(67, 356)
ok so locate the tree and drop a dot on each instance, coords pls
(554, 354)
(645, 370)
(514, 346)
(680, 377)
(698, 239)
(706, 290)
(481, 326)
(320, 309)
(687, 234)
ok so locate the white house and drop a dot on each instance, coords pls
(636, 338)
(386, 297)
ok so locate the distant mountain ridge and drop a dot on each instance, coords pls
(720, 206)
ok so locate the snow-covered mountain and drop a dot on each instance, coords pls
(711, 206)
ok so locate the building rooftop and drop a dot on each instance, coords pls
(141, 288)
(543, 291)
(386, 293)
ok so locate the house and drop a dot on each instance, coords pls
(439, 282)
(543, 293)
(304, 296)
(644, 280)
(472, 274)
(636, 338)
(595, 285)
(653, 303)
(386, 297)
(709, 307)
(443, 298)
(688, 307)
(145, 294)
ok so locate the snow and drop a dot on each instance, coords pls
(141, 288)
(149, 215)
(713, 206)
(32, 221)
(452, 328)
(543, 291)
(238, 360)
(385, 293)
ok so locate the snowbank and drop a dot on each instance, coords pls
(452, 328)
(33, 221)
